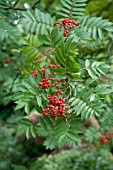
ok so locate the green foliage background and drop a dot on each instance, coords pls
(10, 45)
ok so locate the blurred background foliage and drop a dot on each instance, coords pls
(100, 8)
(15, 152)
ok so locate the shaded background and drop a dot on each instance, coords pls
(15, 152)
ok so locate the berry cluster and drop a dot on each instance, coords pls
(67, 24)
(105, 138)
(43, 71)
(56, 106)
(54, 66)
(34, 73)
(46, 83)
(7, 61)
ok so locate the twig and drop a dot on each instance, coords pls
(15, 3)
(33, 7)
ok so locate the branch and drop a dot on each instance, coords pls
(34, 117)
(19, 9)
(16, 9)
(94, 122)
(33, 7)
(15, 3)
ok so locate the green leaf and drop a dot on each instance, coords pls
(37, 22)
(43, 124)
(91, 74)
(95, 33)
(33, 131)
(26, 121)
(27, 108)
(62, 140)
(33, 80)
(20, 105)
(100, 32)
(76, 129)
(60, 55)
(21, 130)
(82, 104)
(72, 65)
(74, 136)
(28, 133)
(75, 102)
(71, 99)
(76, 8)
(39, 100)
(89, 81)
(27, 84)
(95, 26)
(49, 121)
(87, 63)
(77, 122)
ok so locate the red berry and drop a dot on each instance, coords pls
(60, 30)
(66, 27)
(22, 69)
(65, 34)
(106, 142)
(34, 73)
(67, 31)
(58, 66)
(70, 15)
(7, 61)
(77, 23)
